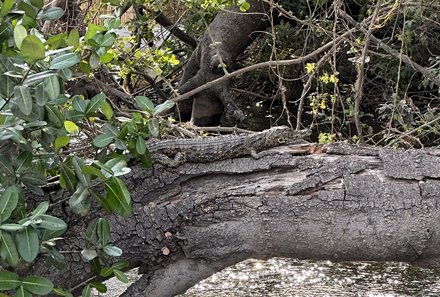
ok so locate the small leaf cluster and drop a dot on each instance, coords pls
(130, 134)
(25, 287)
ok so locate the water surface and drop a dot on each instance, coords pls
(290, 277)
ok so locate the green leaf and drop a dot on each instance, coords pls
(140, 146)
(6, 166)
(107, 110)
(39, 211)
(34, 189)
(21, 292)
(38, 77)
(73, 39)
(120, 276)
(90, 170)
(109, 129)
(104, 168)
(61, 292)
(153, 127)
(103, 140)
(244, 6)
(92, 29)
(65, 61)
(95, 103)
(118, 166)
(9, 280)
(86, 291)
(107, 271)
(99, 286)
(103, 231)
(38, 3)
(19, 34)
(78, 164)
(52, 87)
(61, 141)
(52, 223)
(121, 264)
(56, 42)
(89, 254)
(6, 7)
(163, 107)
(114, 23)
(8, 202)
(79, 104)
(34, 178)
(79, 202)
(67, 178)
(108, 39)
(7, 85)
(41, 97)
(144, 103)
(54, 116)
(28, 9)
(12, 227)
(8, 250)
(32, 49)
(50, 14)
(6, 30)
(23, 99)
(37, 285)
(24, 161)
(91, 232)
(113, 251)
(28, 244)
(94, 61)
(66, 73)
(118, 196)
(107, 57)
(146, 159)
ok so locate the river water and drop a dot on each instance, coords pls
(279, 277)
(290, 277)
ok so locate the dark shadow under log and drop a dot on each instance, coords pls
(343, 203)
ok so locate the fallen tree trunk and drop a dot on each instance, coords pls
(340, 203)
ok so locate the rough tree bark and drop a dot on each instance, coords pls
(342, 203)
(225, 39)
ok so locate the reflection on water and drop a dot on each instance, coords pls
(289, 277)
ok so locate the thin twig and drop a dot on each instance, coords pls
(260, 66)
(359, 84)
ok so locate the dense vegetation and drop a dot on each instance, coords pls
(78, 99)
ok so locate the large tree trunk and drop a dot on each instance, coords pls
(225, 39)
(342, 203)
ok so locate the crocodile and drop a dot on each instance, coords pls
(217, 148)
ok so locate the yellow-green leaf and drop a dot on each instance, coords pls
(107, 110)
(71, 127)
(73, 39)
(6, 7)
(61, 141)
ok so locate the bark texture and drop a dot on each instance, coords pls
(339, 203)
(225, 39)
